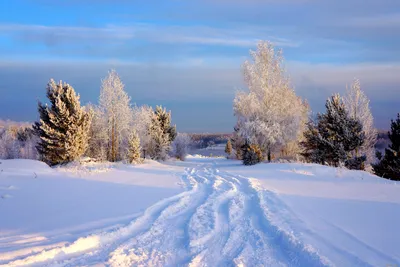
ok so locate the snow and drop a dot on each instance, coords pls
(201, 212)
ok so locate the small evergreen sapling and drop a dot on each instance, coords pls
(389, 165)
(134, 149)
(252, 154)
(228, 148)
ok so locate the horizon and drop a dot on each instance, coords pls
(186, 56)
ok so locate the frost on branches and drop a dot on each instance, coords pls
(180, 146)
(357, 105)
(115, 116)
(142, 121)
(63, 127)
(270, 115)
(134, 149)
(161, 134)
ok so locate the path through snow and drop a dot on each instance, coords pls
(218, 221)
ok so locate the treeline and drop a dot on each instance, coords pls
(273, 122)
(112, 130)
(204, 140)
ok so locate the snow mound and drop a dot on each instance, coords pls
(23, 166)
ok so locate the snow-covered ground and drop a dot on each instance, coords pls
(202, 212)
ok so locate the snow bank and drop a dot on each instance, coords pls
(39, 203)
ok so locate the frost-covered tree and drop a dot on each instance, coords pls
(159, 144)
(27, 141)
(134, 149)
(17, 141)
(389, 165)
(142, 122)
(164, 118)
(180, 146)
(161, 134)
(63, 127)
(116, 114)
(228, 148)
(97, 135)
(334, 136)
(357, 105)
(270, 115)
(9, 146)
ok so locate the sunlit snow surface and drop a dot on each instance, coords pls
(202, 212)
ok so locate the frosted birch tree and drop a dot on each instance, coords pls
(270, 114)
(357, 105)
(142, 121)
(116, 113)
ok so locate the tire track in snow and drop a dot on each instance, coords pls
(166, 242)
(285, 247)
(96, 248)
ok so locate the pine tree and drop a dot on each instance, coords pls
(63, 127)
(389, 165)
(134, 148)
(159, 144)
(334, 136)
(251, 154)
(164, 118)
(228, 148)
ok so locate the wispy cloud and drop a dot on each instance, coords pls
(203, 35)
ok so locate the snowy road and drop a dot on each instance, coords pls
(217, 221)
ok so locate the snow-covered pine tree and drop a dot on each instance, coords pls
(389, 165)
(357, 105)
(228, 148)
(159, 144)
(164, 118)
(116, 114)
(63, 127)
(134, 149)
(161, 133)
(270, 115)
(334, 136)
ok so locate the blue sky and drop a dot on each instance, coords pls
(186, 54)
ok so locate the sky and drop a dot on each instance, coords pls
(186, 54)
